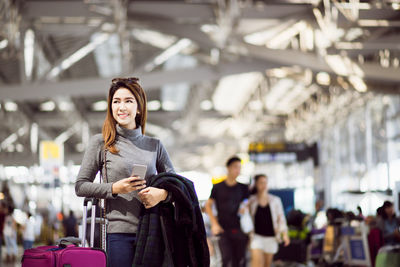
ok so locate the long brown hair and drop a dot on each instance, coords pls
(109, 125)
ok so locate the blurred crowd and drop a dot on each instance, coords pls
(382, 229)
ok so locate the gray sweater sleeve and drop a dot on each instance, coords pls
(164, 163)
(92, 162)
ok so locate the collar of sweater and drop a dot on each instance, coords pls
(128, 133)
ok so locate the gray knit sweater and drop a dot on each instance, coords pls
(122, 209)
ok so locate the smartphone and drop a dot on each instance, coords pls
(139, 170)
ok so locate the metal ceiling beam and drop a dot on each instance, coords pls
(149, 81)
(274, 11)
(204, 12)
(62, 29)
(34, 9)
(372, 71)
(96, 119)
(189, 31)
(174, 10)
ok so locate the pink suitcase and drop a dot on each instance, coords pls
(67, 255)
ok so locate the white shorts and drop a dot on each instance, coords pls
(264, 243)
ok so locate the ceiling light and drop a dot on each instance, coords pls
(214, 56)
(3, 43)
(65, 106)
(307, 38)
(154, 38)
(206, 105)
(153, 105)
(100, 105)
(348, 45)
(278, 72)
(255, 105)
(29, 43)
(353, 34)
(396, 62)
(396, 5)
(343, 66)
(47, 106)
(286, 35)
(169, 105)
(359, 5)
(234, 91)
(19, 147)
(261, 37)
(358, 83)
(207, 28)
(373, 23)
(277, 92)
(168, 53)
(323, 78)
(80, 147)
(10, 106)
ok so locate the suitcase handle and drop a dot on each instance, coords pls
(93, 218)
(69, 240)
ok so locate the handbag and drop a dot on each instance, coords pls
(246, 222)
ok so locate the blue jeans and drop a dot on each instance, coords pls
(28, 244)
(120, 249)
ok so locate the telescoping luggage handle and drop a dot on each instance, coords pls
(93, 219)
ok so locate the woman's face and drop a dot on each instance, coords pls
(389, 211)
(262, 184)
(124, 108)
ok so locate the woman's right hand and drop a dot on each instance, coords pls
(216, 229)
(128, 185)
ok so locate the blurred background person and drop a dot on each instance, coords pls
(10, 235)
(3, 214)
(70, 224)
(227, 196)
(270, 226)
(389, 224)
(29, 232)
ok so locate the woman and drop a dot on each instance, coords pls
(389, 224)
(10, 235)
(269, 223)
(125, 144)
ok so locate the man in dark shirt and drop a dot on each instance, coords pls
(227, 196)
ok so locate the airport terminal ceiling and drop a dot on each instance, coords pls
(218, 74)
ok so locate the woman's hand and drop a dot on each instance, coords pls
(216, 229)
(151, 196)
(128, 185)
(286, 240)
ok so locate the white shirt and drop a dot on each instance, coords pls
(29, 232)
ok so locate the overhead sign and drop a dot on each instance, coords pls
(51, 152)
(262, 152)
(51, 156)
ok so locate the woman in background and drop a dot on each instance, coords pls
(10, 235)
(270, 226)
(389, 224)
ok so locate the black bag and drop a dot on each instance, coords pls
(295, 252)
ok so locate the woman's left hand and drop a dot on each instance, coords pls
(151, 196)
(286, 240)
